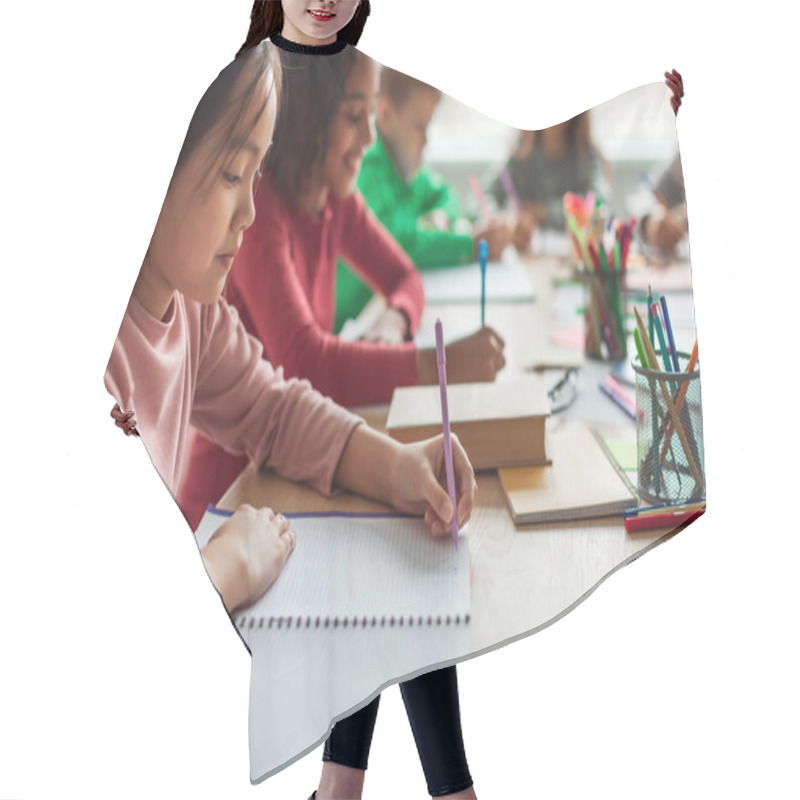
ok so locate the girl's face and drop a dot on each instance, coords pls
(406, 128)
(204, 216)
(351, 132)
(315, 22)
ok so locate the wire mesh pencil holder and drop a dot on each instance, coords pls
(604, 315)
(669, 434)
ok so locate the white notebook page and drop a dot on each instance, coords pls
(506, 280)
(357, 567)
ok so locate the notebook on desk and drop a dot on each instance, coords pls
(506, 281)
(581, 483)
(359, 570)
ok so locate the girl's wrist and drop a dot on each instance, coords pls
(226, 575)
(395, 467)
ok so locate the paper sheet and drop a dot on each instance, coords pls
(506, 280)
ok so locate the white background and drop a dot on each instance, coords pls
(121, 676)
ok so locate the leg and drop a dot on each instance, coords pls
(346, 754)
(433, 711)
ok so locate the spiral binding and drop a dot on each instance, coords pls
(278, 623)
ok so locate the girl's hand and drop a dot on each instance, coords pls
(419, 481)
(246, 554)
(666, 227)
(391, 327)
(497, 235)
(124, 420)
(474, 359)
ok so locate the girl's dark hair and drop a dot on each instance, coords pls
(266, 19)
(578, 135)
(221, 105)
(313, 89)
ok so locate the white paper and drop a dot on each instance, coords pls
(344, 566)
(506, 280)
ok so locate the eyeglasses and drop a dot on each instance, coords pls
(563, 394)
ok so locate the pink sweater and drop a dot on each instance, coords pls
(283, 284)
(198, 365)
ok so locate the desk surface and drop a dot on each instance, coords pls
(522, 577)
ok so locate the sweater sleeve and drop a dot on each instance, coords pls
(671, 186)
(247, 406)
(265, 283)
(428, 249)
(371, 249)
(435, 194)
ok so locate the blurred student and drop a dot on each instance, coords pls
(667, 223)
(417, 207)
(547, 164)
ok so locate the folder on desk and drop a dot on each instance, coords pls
(498, 424)
(581, 482)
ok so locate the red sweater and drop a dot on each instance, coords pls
(283, 285)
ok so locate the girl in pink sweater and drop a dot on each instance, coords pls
(182, 356)
(308, 215)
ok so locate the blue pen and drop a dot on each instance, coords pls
(662, 341)
(483, 255)
(663, 300)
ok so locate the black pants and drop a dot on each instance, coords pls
(431, 702)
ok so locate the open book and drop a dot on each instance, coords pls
(360, 570)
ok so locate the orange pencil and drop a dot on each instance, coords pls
(679, 400)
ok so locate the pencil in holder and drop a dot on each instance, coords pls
(604, 315)
(669, 435)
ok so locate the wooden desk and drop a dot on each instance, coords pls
(522, 577)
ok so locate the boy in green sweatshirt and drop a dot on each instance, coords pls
(416, 206)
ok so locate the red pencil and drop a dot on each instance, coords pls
(651, 522)
(626, 244)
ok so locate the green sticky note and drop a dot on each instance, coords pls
(623, 452)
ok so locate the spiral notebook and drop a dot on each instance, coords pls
(360, 570)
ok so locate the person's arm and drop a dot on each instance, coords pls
(247, 406)
(668, 223)
(370, 248)
(266, 285)
(433, 193)
(411, 478)
(670, 185)
(428, 249)
(286, 425)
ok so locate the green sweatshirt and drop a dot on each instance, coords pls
(400, 207)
